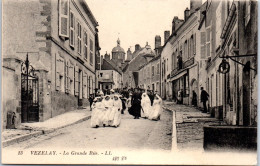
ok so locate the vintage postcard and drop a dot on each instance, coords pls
(165, 82)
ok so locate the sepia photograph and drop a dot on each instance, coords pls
(137, 82)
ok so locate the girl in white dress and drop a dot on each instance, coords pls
(96, 115)
(146, 105)
(108, 104)
(117, 107)
(156, 109)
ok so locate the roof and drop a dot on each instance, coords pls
(118, 49)
(113, 65)
(154, 59)
(88, 11)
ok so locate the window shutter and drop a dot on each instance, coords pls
(194, 47)
(76, 81)
(203, 47)
(64, 18)
(72, 29)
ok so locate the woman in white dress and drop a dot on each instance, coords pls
(117, 107)
(108, 104)
(96, 114)
(156, 109)
(146, 105)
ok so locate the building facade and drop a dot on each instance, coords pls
(180, 58)
(61, 44)
(234, 44)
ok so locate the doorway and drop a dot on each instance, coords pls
(246, 94)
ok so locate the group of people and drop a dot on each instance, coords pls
(145, 104)
(107, 109)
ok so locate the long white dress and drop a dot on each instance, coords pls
(108, 104)
(117, 107)
(97, 110)
(156, 109)
(146, 105)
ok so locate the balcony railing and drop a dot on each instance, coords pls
(188, 63)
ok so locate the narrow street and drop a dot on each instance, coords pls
(131, 134)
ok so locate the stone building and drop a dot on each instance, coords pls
(109, 77)
(180, 57)
(118, 54)
(149, 73)
(60, 38)
(130, 71)
(233, 42)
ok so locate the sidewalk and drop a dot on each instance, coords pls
(28, 130)
(189, 125)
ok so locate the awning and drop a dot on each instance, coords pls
(179, 75)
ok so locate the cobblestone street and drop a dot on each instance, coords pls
(189, 125)
(131, 134)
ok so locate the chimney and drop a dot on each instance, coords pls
(107, 57)
(157, 41)
(102, 57)
(166, 36)
(129, 54)
(186, 14)
(137, 47)
(194, 4)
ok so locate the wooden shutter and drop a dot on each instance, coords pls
(202, 42)
(72, 29)
(64, 18)
(67, 77)
(76, 76)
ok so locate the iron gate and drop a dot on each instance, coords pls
(29, 93)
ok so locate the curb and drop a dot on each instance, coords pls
(38, 133)
(174, 147)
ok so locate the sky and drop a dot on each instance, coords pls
(134, 21)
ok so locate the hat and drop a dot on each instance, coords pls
(112, 90)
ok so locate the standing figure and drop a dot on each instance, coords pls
(90, 99)
(116, 109)
(151, 96)
(146, 105)
(204, 98)
(97, 110)
(108, 104)
(194, 99)
(156, 109)
(135, 109)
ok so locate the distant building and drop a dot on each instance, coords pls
(118, 54)
(62, 41)
(180, 57)
(109, 77)
(140, 57)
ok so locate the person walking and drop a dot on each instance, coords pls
(135, 109)
(204, 98)
(91, 99)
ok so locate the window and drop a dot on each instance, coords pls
(167, 65)
(247, 11)
(64, 18)
(203, 47)
(152, 70)
(86, 45)
(101, 74)
(91, 51)
(158, 68)
(79, 37)
(67, 82)
(191, 46)
(72, 29)
(208, 53)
